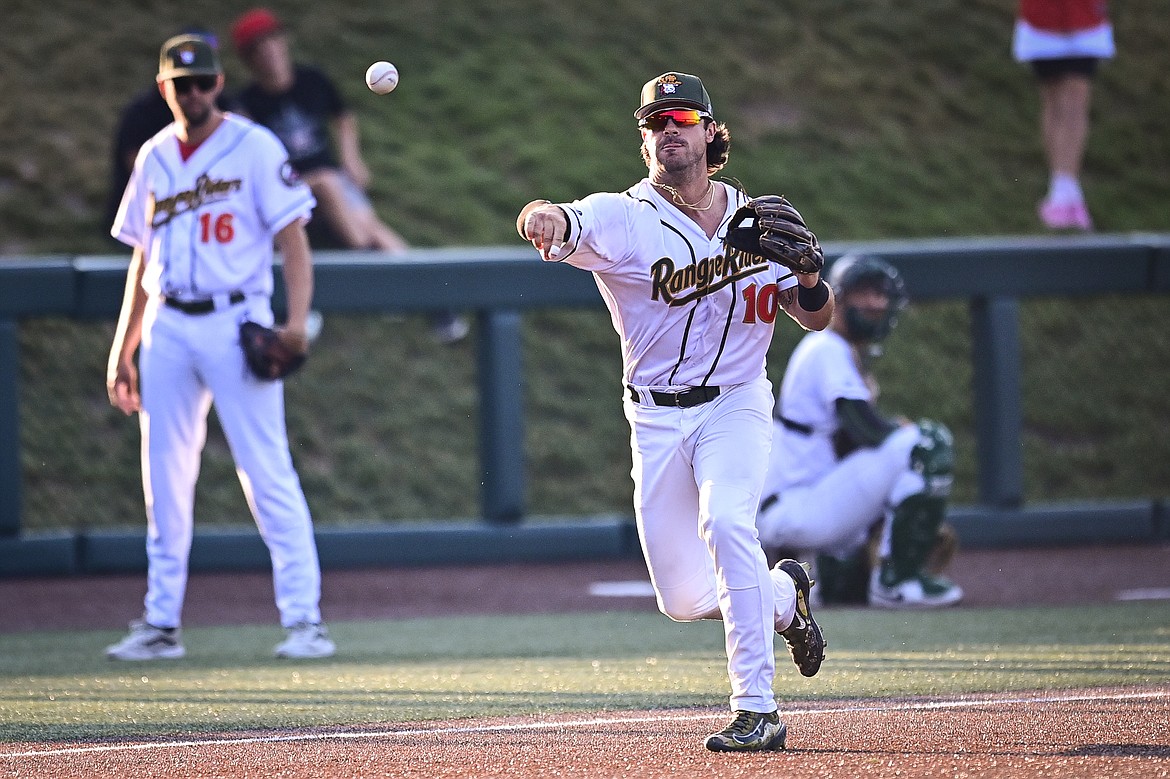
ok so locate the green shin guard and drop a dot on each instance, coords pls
(913, 530)
(915, 523)
(934, 457)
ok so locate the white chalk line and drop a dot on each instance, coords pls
(1144, 593)
(566, 724)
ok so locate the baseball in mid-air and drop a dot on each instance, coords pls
(382, 77)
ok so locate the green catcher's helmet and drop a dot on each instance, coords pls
(856, 271)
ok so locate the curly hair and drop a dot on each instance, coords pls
(717, 150)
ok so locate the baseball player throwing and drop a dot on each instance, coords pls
(695, 317)
(839, 466)
(207, 197)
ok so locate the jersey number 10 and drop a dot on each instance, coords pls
(763, 305)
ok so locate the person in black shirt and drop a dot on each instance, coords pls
(303, 107)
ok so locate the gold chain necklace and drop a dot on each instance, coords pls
(678, 199)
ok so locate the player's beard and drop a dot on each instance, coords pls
(196, 116)
(680, 159)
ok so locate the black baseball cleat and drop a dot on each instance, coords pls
(803, 635)
(750, 731)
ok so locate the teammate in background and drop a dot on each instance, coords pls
(839, 468)
(695, 327)
(1064, 40)
(306, 111)
(140, 119)
(208, 196)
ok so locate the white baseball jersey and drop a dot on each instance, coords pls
(687, 316)
(690, 316)
(820, 371)
(206, 224)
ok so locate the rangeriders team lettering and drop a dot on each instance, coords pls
(709, 274)
(206, 190)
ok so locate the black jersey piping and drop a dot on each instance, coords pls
(682, 349)
(726, 330)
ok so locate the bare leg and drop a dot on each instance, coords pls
(329, 190)
(383, 236)
(1064, 128)
(1065, 122)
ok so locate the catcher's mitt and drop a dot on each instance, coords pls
(768, 226)
(266, 355)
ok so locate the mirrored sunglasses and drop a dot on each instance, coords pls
(184, 84)
(683, 117)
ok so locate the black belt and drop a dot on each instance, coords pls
(201, 306)
(688, 398)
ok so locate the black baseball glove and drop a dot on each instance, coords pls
(266, 355)
(768, 226)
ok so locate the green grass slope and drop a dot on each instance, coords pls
(879, 119)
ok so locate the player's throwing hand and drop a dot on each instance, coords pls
(544, 225)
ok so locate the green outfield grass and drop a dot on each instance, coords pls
(58, 685)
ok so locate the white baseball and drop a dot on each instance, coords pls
(313, 324)
(381, 77)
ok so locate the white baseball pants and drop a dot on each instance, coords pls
(185, 362)
(834, 514)
(698, 473)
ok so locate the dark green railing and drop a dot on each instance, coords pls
(992, 274)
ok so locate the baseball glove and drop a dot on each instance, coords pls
(266, 355)
(768, 226)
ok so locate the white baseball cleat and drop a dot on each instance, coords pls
(918, 592)
(147, 642)
(306, 640)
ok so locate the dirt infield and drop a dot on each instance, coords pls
(1088, 733)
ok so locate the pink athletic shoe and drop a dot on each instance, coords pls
(1065, 216)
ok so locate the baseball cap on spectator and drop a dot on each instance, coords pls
(673, 90)
(187, 55)
(253, 25)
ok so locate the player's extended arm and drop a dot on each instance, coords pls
(297, 266)
(121, 372)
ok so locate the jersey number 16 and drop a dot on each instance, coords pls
(219, 227)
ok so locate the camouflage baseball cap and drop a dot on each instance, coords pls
(673, 90)
(187, 55)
